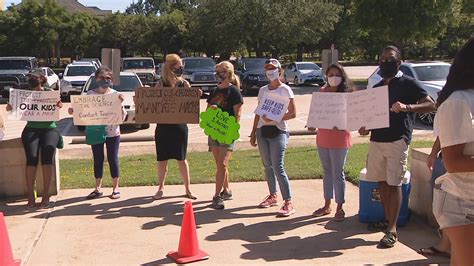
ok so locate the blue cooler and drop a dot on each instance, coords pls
(370, 206)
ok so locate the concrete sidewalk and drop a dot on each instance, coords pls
(138, 230)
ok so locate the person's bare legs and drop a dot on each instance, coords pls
(444, 245)
(183, 167)
(383, 187)
(47, 176)
(395, 203)
(98, 184)
(162, 172)
(115, 184)
(226, 179)
(461, 238)
(222, 157)
(30, 185)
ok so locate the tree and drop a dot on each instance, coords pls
(154, 7)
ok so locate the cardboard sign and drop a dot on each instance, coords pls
(34, 105)
(2, 128)
(273, 106)
(97, 109)
(167, 105)
(219, 125)
(350, 111)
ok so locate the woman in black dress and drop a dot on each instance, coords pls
(172, 139)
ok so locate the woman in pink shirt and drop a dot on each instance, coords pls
(333, 145)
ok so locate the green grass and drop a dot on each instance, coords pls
(359, 82)
(245, 166)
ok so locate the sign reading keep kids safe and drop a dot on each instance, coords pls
(272, 106)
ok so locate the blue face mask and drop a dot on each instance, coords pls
(104, 83)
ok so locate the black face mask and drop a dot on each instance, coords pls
(219, 78)
(178, 72)
(33, 83)
(388, 69)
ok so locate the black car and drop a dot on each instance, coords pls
(13, 72)
(199, 71)
(252, 74)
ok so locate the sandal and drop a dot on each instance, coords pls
(158, 195)
(432, 251)
(378, 227)
(190, 196)
(94, 194)
(388, 240)
(45, 205)
(340, 215)
(115, 195)
(321, 212)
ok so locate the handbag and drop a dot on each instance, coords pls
(270, 132)
(95, 135)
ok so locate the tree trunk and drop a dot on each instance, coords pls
(58, 54)
(299, 52)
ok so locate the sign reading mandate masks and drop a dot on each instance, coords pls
(272, 106)
(167, 105)
(34, 105)
(97, 109)
(350, 111)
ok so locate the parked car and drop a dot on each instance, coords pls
(252, 74)
(431, 75)
(74, 78)
(94, 61)
(144, 67)
(129, 82)
(199, 72)
(158, 69)
(13, 71)
(53, 79)
(304, 73)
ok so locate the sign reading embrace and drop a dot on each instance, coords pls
(34, 105)
(97, 109)
(167, 105)
(350, 111)
(273, 106)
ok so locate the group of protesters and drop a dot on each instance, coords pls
(453, 202)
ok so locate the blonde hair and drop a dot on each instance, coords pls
(167, 74)
(229, 68)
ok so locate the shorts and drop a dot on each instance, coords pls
(387, 161)
(450, 210)
(215, 144)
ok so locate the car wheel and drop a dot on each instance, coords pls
(296, 82)
(286, 80)
(245, 90)
(145, 126)
(81, 128)
(427, 118)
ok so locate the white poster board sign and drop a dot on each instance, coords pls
(98, 109)
(350, 111)
(2, 128)
(273, 106)
(34, 105)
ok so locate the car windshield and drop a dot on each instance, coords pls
(138, 64)
(127, 83)
(432, 72)
(199, 63)
(254, 64)
(307, 66)
(80, 71)
(14, 64)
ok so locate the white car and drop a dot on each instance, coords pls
(129, 82)
(431, 75)
(303, 73)
(53, 79)
(75, 76)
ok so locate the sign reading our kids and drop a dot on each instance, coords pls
(34, 105)
(102, 109)
(219, 125)
(273, 106)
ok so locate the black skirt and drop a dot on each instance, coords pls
(171, 141)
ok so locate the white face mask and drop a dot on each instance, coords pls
(272, 74)
(334, 81)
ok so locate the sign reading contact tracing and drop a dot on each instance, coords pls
(97, 109)
(220, 126)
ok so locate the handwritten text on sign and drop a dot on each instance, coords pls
(350, 111)
(219, 125)
(167, 105)
(34, 105)
(272, 106)
(98, 109)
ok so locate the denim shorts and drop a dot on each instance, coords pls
(451, 211)
(214, 143)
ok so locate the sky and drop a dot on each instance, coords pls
(114, 5)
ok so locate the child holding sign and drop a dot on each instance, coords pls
(272, 137)
(333, 145)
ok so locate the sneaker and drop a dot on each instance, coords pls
(378, 227)
(158, 195)
(94, 194)
(388, 240)
(269, 201)
(226, 195)
(286, 210)
(217, 203)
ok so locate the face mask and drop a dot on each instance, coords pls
(33, 83)
(104, 83)
(178, 72)
(272, 74)
(388, 69)
(334, 81)
(220, 77)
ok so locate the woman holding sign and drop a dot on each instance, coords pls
(39, 137)
(171, 140)
(227, 97)
(333, 145)
(272, 136)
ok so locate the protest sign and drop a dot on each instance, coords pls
(34, 105)
(97, 109)
(2, 128)
(273, 106)
(167, 105)
(350, 111)
(219, 125)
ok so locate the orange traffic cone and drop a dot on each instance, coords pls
(6, 255)
(188, 250)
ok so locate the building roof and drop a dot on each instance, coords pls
(74, 6)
